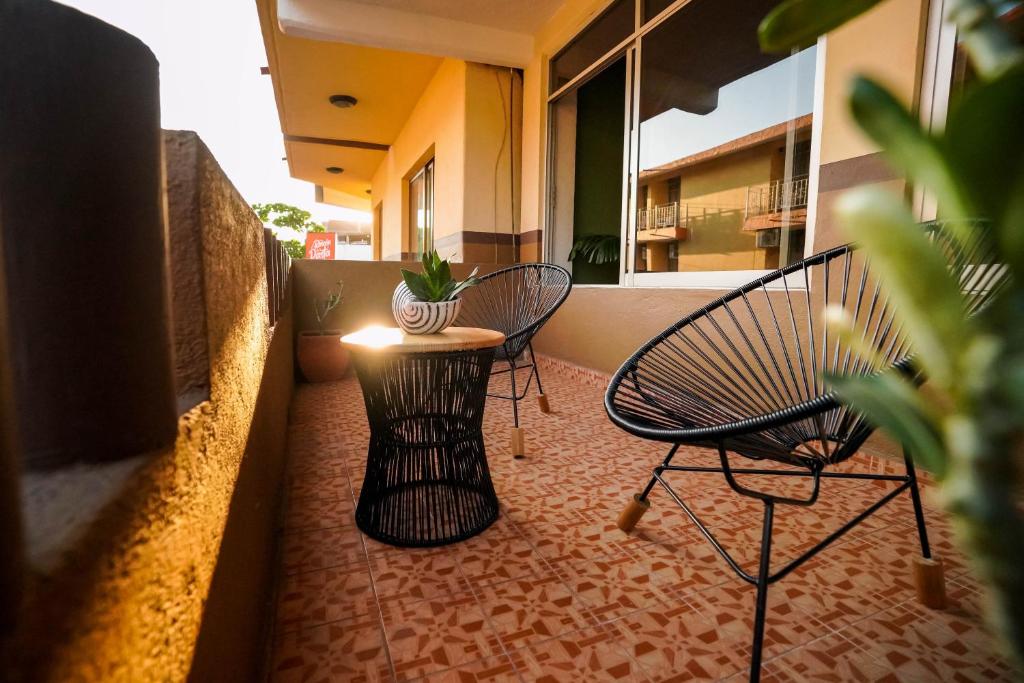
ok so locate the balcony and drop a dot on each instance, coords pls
(555, 592)
(768, 205)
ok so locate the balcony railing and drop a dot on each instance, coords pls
(776, 196)
(661, 216)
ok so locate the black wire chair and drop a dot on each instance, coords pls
(744, 375)
(517, 301)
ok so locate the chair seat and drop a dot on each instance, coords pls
(796, 436)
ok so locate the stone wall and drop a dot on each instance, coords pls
(170, 576)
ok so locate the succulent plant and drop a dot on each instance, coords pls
(436, 283)
(322, 307)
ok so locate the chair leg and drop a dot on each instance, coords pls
(631, 514)
(760, 613)
(542, 398)
(640, 504)
(929, 574)
(517, 440)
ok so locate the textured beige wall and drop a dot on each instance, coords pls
(126, 601)
(368, 289)
(584, 330)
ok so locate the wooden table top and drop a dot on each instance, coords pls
(394, 340)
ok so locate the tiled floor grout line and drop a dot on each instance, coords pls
(877, 539)
(596, 622)
(373, 583)
(474, 589)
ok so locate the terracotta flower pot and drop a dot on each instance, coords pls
(322, 358)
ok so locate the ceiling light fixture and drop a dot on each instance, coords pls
(343, 101)
(334, 169)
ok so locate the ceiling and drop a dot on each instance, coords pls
(305, 73)
(498, 32)
(521, 16)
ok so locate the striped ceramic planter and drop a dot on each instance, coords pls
(422, 317)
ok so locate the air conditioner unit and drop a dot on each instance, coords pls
(769, 238)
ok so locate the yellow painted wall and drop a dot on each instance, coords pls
(490, 138)
(886, 44)
(437, 120)
(463, 117)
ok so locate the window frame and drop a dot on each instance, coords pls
(631, 49)
(416, 245)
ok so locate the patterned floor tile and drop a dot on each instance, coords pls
(525, 612)
(553, 591)
(681, 643)
(318, 513)
(325, 595)
(433, 635)
(322, 548)
(406, 576)
(501, 669)
(352, 650)
(590, 655)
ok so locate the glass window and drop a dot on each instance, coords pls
(421, 210)
(611, 28)
(588, 147)
(724, 143)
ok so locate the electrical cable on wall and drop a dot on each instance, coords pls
(497, 162)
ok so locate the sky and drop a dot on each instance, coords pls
(210, 54)
(775, 94)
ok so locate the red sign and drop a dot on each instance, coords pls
(320, 245)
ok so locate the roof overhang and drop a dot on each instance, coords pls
(499, 33)
(319, 135)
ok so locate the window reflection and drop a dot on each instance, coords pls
(724, 148)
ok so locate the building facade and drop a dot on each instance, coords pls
(497, 132)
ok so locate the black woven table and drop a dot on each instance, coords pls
(427, 482)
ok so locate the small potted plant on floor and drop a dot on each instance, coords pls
(322, 358)
(428, 302)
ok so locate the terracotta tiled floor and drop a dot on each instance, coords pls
(553, 591)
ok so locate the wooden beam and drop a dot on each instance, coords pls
(337, 143)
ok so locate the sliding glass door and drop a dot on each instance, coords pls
(682, 156)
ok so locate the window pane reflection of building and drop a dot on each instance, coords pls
(724, 143)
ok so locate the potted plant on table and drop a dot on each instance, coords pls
(322, 358)
(428, 302)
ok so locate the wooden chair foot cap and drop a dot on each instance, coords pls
(542, 401)
(518, 443)
(632, 513)
(930, 581)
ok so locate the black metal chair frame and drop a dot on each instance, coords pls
(764, 577)
(518, 333)
(738, 434)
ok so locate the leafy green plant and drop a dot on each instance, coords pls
(295, 248)
(966, 425)
(596, 249)
(291, 217)
(436, 283)
(323, 307)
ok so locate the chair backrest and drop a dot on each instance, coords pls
(516, 300)
(755, 357)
